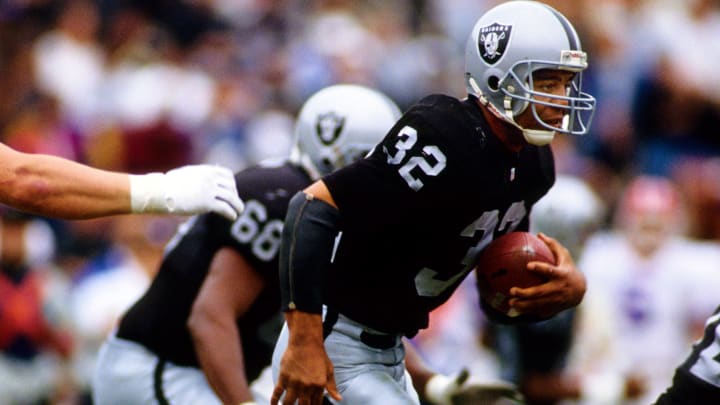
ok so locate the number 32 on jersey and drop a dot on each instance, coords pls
(407, 139)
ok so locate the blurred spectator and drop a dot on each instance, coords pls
(69, 62)
(698, 181)
(268, 135)
(155, 98)
(42, 128)
(677, 107)
(112, 280)
(35, 336)
(457, 17)
(17, 84)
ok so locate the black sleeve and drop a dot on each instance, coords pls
(308, 239)
(688, 389)
(697, 380)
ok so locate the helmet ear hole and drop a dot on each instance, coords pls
(493, 83)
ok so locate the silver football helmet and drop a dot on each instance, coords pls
(570, 212)
(509, 43)
(339, 125)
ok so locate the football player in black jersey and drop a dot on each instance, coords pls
(369, 250)
(697, 379)
(218, 282)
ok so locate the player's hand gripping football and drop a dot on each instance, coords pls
(187, 190)
(305, 369)
(564, 289)
(464, 389)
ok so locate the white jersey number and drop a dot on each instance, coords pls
(251, 228)
(707, 366)
(426, 283)
(408, 138)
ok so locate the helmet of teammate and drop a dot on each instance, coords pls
(339, 125)
(507, 45)
(570, 212)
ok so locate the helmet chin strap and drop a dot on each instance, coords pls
(538, 137)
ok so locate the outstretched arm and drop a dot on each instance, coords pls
(228, 292)
(310, 228)
(57, 187)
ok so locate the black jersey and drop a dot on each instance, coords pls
(158, 320)
(417, 212)
(697, 380)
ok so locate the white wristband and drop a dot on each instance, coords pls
(602, 389)
(147, 193)
(438, 389)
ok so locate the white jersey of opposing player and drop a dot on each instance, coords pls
(655, 302)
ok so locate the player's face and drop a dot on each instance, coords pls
(647, 231)
(552, 83)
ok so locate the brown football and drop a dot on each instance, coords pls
(503, 265)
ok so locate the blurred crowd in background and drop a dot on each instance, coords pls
(142, 86)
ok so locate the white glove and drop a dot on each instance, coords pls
(464, 389)
(187, 190)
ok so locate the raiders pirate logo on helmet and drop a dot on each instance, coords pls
(328, 127)
(493, 42)
(337, 123)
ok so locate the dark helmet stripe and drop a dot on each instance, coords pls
(569, 31)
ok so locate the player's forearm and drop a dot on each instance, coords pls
(308, 237)
(57, 187)
(219, 350)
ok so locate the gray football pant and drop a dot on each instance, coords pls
(364, 375)
(128, 374)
